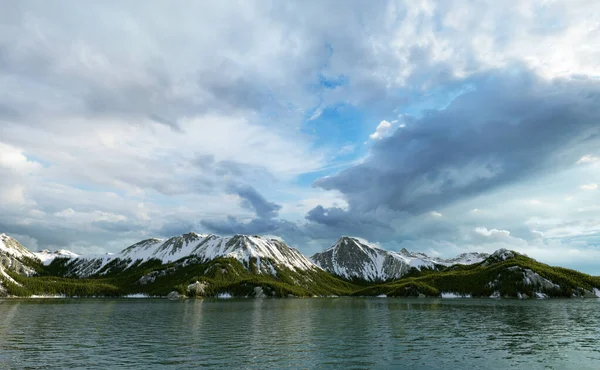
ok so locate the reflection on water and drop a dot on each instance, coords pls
(300, 333)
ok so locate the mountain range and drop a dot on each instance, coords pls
(351, 258)
(253, 266)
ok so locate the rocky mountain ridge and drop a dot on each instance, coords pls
(201, 247)
(351, 258)
(208, 265)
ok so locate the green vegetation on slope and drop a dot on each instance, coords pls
(508, 278)
(480, 280)
(155, 279)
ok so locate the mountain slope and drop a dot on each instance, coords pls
(46, 256)
(352, 259)
(503, 274)
(202, 247)
(16, 258)
(251, 266)
(190, 264)
(10, 246)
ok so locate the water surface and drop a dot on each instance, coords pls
(299, 333)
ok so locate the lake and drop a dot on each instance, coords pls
(319, 333)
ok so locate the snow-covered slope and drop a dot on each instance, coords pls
(499, 256)
(13, 257)
(465, 259)
(208, 247)
(204, 247)
(47, 256)
(11, 246)
(351, 258)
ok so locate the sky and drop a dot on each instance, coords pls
(437, 126)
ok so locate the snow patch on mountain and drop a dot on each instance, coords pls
(47, 256)
(208, 247)
(503, 254)
(204, 247)
(535, 279)
(7, 277)
(12, 247)
(13, 257)
(352, 258)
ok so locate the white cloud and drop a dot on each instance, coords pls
(589, 187)
(316, 114)
(384, 129)
(588, 159)
(435, 214)
(492, 232)
(68, 212)
(12, 158)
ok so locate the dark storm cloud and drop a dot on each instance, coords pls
(254, 201)
(337, 218)
(266, 213)
(511, 126)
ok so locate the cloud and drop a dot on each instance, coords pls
(492, 233)
(252, 200)
(384, 129)
(589, 187)
(480, 142)
(588, 159)
(12, 158)
(170, 122)
(265, 214)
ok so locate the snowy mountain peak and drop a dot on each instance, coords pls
(500, 255)
(13, 257)
(11, 246)
(47, 256)
(504, 254)
(206, 247)
(351, 258)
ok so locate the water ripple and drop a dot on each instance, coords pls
(339, 333)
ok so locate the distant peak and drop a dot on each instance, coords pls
(504, 253)
(501, 255)
(191, 233)
(346, 239)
